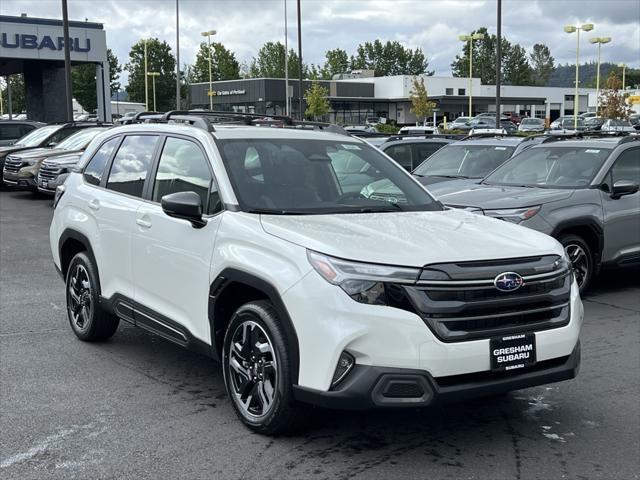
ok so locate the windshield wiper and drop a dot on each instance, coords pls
(277, 211)
(450, 176)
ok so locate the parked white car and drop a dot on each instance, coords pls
(613, 125)
(241, 243)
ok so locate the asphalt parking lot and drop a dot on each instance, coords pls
(139, 407)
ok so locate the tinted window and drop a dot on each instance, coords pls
(425, 150)
(401, 154)
(131, 164)
(79, 140)
(319, 176)
(95, 169)
(36, 137)
(627, 166)
(10, 131)
(184, 168)
(551, 167)
(61, 134)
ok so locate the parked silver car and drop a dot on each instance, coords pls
(582, 192)
(531, 125)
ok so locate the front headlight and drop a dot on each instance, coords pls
(364, 282)
(514, 215)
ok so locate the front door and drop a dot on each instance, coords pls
(171, 258)
(622, 215)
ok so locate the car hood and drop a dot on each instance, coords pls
(410, 238)
(487, 197)
(41, 153)
(448, 185)
(65, 159)
(9, 149)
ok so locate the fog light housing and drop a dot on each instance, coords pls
(345, 364)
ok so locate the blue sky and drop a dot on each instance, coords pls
(433, 25)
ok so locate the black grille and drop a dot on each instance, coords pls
(468, 306)
(403, 389)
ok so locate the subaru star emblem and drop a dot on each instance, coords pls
(508, 281)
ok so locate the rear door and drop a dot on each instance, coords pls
(114, 205)
(622, 215)
(171, 258)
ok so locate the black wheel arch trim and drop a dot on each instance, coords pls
(71, 234)
(232, 275)
(584, 222)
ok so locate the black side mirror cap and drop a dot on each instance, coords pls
(624, 187)
(184, 205)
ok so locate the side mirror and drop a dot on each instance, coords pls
(624, 187)
(184, 205)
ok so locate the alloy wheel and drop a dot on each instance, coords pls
(579, 262)
(252, 369)
(80, 298)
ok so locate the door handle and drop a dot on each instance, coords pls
(143, 223)
(94, 204)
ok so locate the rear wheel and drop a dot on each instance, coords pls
(257, 369)
(88, 321)
(581, 258)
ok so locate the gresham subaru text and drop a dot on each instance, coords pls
(256, 246)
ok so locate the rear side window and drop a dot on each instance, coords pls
(131, 164)
(401, 154)
(425, 150)
(95, 169)
(10, 132)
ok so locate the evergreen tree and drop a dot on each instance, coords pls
(337, 61)
(390, 58)
(270, 62)
(516, 68)
(224, 65)
(542, 64)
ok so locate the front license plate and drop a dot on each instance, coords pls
(513, 352)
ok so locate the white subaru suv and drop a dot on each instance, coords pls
(255, 246)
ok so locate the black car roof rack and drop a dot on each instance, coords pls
(482, 134)
(450, 136)
(206, 119)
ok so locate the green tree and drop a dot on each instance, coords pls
(337, 61)
(516, 69)
(542, 64)
(317, 103)
(612, 99)
(484, 58)
(224, 65)
(390, 58)
(159, 59)
(270, 62)
(421, 106)
(18, 104)
(83, 81)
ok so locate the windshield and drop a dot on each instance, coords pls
(37, 136)
(531, 121)
(551, 167)
(464, 161)
(294, 176)
(79, 140)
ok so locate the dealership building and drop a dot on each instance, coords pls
(356, 96)
(34, 47)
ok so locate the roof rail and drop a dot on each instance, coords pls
(634, 137)
(451, 136)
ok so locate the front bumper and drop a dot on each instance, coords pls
(368, 387)
(18, 180)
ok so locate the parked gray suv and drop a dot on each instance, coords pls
(582, 192)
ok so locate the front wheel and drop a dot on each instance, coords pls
(581, 258)
(257, 369)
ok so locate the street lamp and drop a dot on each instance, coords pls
(599, 41)
(208, 34)
(153, 76)
(470, 38)
(146, 78)
(623, 66)
(572, 29)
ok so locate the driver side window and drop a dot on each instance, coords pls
(627, 167)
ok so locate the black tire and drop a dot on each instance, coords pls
(87, 319)
(581, 257)
(251, 376)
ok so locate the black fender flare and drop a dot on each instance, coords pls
(68, 234)
(232, 275)
(584, 222)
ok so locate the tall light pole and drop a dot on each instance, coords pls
(286, 63)
(67, 62)
(599, 41)
(300, 93)
(576, 102)
(470, 38)
(177, 55)
(498, 62)
(146, 77)
(623, 66)
(153, 76)
(208, 34)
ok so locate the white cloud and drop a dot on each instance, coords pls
(433, 25)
